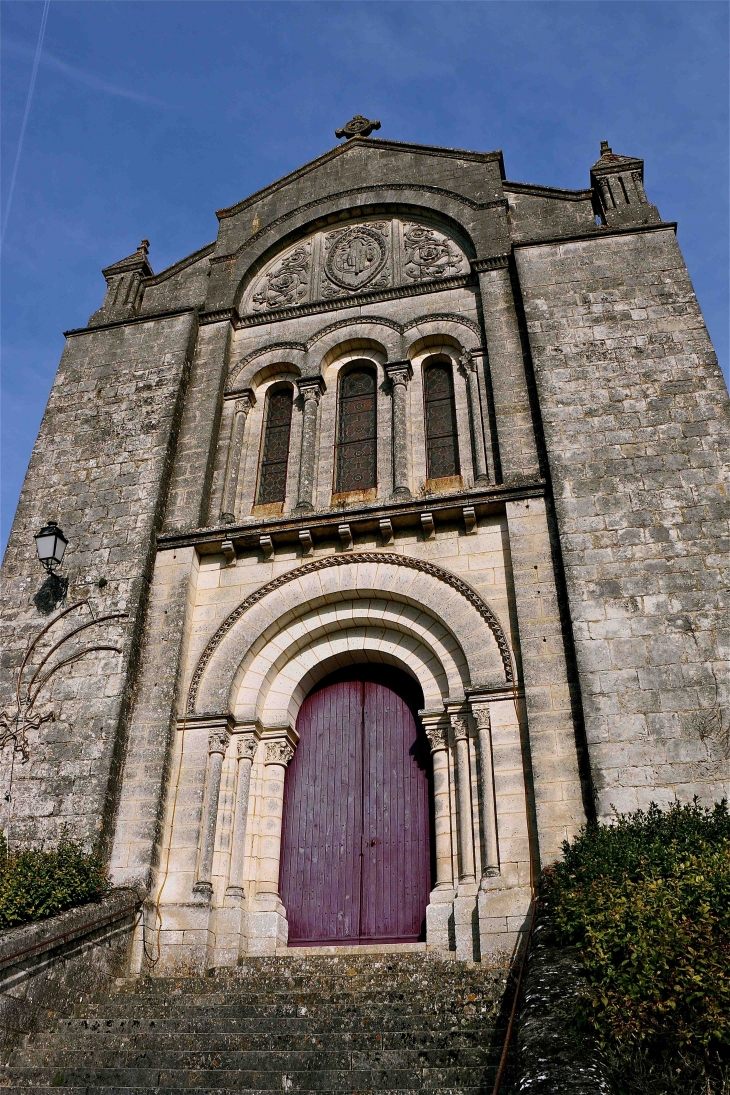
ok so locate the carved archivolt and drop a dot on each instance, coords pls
(370, 254)
(382, 321)
(442, 576)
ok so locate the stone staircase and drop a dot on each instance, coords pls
(381, 1023)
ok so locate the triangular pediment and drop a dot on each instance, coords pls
(376, 145)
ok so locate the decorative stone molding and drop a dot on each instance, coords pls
(494, 262)
(348, 560)
(362, 255)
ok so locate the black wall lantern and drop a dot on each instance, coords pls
(51, 545)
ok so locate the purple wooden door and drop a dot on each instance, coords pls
(355, 857)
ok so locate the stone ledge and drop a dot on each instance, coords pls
(30, 940)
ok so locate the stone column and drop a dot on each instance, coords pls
(399, 373)
(278, 755)
(217, 745)
(470, 365)
(247, 746)
(235, 447)
(490, 848)
(438, 737)
(439, 910)
(310, 389)
(467, 872)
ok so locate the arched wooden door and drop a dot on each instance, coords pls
(355, 857)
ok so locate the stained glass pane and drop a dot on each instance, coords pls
(356, 439)
(441, 439)
(272, 481)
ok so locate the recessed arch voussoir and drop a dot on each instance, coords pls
(439, 593)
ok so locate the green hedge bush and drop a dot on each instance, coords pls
(647, 901)
(35, 884)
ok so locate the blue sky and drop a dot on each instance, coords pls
(147, 117)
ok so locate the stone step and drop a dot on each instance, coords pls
(162, 1041)
(84, 1090)
(383, 1012)
(288, 1060)
(413, 1079)
(194, 1023)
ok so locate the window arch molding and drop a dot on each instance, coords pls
(356, 436)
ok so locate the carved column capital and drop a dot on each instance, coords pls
(460, 727)
(480, 711)
(218, 741)
(398, 372)
(245, 400)
(279, 752)
(466, 360)
(247, 746)
(311, 387)
(438, 737)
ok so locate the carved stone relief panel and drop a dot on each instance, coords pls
(355, 258)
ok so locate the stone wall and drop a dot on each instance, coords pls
(100, 467)
(62, 961)
(636, 419)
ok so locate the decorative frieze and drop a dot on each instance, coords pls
(368, 256)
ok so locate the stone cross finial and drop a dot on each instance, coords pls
(605, 150)
(357, 127)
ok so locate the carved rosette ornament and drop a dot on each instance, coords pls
(429, 254)
(279, 752)
(287, 284)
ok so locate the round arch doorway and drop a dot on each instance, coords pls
(356, 859)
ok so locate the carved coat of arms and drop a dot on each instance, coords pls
(356, 256)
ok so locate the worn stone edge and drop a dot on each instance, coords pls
(26, 941)
(553, 1057)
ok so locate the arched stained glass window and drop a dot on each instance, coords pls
(442, 448)
(357, 430)
(275, 456)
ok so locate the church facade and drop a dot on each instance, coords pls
(397, 528)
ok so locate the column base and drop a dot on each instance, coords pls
(303, 507)
(401, 494)
(228, 518)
